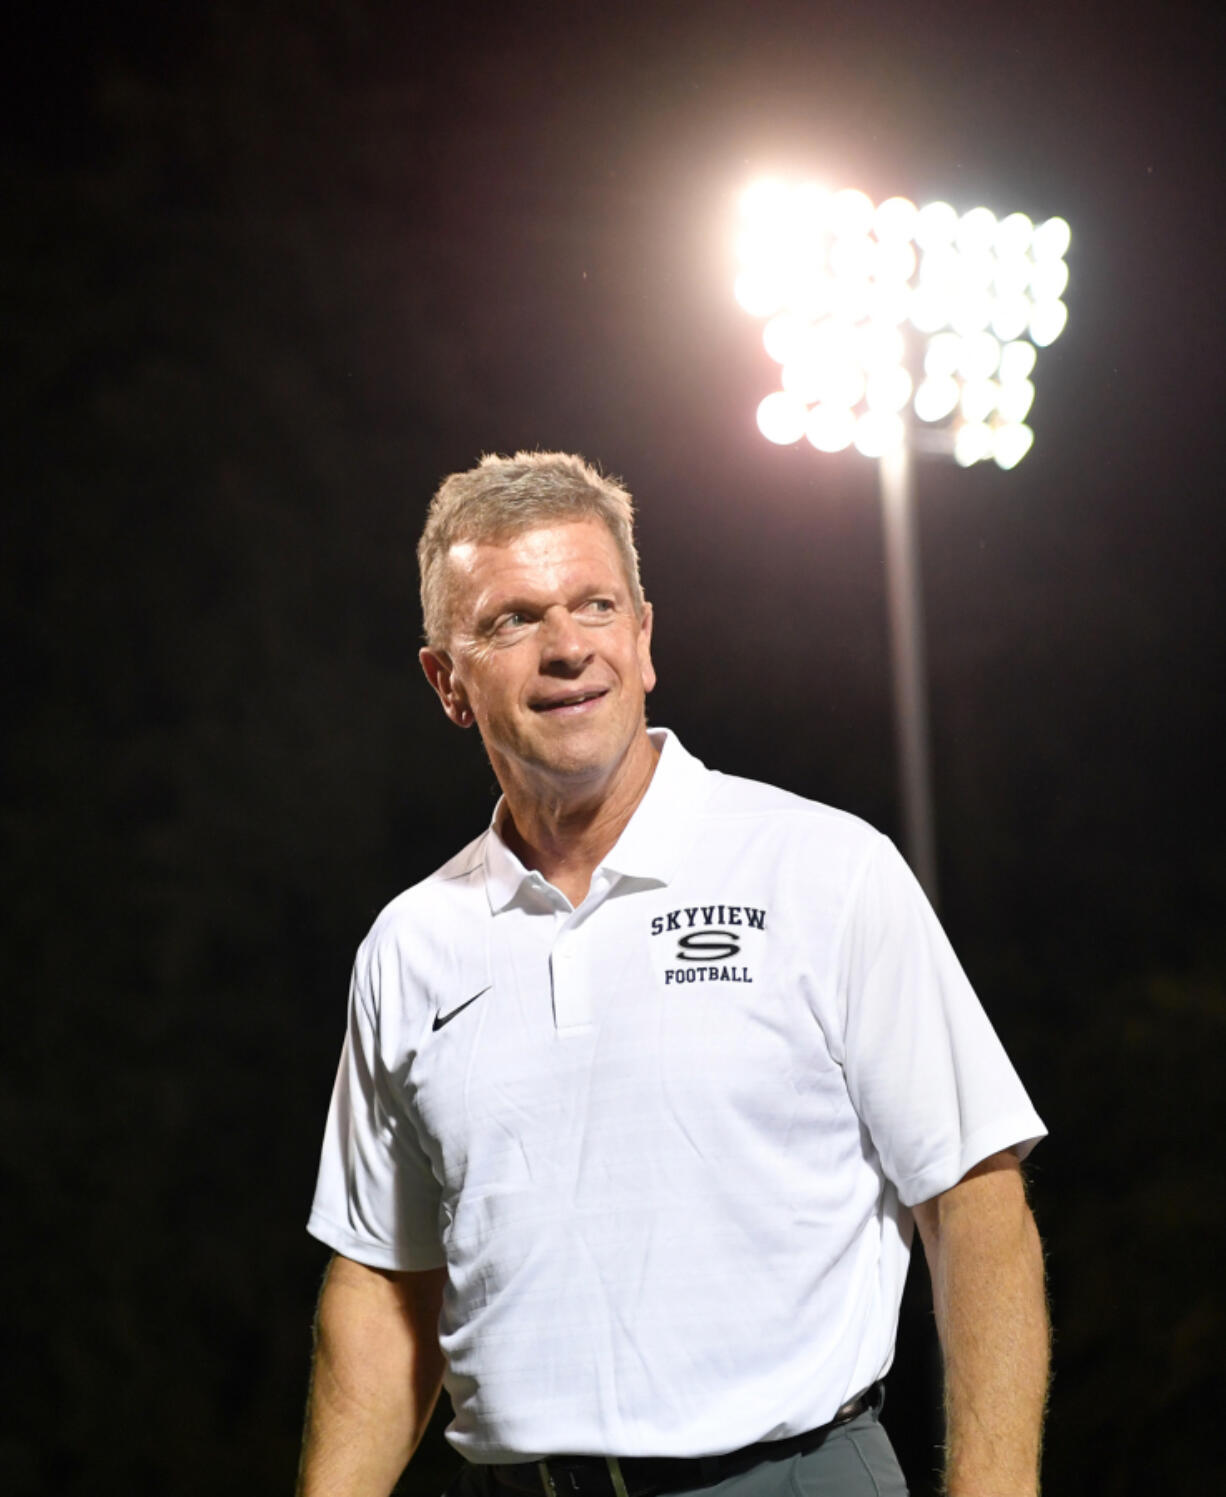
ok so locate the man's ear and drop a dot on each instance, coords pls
(646, 669)
(441, 675)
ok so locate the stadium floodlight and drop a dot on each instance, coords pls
(890, 318)
(782, 418)
(812, 259)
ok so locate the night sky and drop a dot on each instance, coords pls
(272, 272)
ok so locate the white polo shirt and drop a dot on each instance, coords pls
(661, 1140)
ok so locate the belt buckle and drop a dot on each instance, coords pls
(573, 1488)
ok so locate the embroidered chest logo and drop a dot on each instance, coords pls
(708, 942)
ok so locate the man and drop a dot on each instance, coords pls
(643, 1090)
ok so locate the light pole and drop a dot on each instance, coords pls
(905, 603)
(884, 316)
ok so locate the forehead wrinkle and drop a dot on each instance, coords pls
(491, 605)
(545, 575)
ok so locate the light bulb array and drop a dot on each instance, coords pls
(838, 281)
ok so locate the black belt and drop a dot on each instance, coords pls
(646, 1475)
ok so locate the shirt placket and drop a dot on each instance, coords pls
(569, 968)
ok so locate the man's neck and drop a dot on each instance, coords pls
(565, 831)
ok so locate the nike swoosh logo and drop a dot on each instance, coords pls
(441, 1019)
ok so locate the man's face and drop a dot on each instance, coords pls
(546, 655)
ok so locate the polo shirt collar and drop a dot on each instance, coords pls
(652, 844)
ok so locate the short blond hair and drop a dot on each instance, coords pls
(504, 496)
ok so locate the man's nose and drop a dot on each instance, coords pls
(565, 644)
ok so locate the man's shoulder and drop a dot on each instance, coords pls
(787, 838)
(428, 906)
(733, 797)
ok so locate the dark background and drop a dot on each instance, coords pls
(272, 271)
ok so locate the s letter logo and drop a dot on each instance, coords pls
(708, 946)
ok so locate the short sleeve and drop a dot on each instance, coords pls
(926, 1072)
(376, 1198)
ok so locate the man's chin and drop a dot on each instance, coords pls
(574, 757)
(574, 765)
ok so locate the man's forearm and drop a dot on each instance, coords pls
(375, 1379)
(987, 1272)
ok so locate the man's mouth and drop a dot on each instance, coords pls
(570, 700)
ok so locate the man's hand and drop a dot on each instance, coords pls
(986, 1263)
(375, 1380)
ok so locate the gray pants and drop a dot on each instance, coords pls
(855, 1460)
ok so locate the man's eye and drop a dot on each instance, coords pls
(515, 620)
(600, 605)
